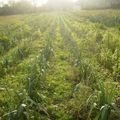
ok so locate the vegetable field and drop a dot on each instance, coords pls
(60, 66)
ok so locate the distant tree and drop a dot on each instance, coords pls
(91, 4)
(5, 9)
(13, 7)
(115, 3)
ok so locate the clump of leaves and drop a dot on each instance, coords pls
(103, 101)
(4, 44)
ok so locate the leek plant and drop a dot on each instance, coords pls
(103, 101)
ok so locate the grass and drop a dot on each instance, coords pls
(60, 66)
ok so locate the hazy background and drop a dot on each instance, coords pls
(38, 2)
(31, 6)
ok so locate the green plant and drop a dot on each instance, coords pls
(4, 44)
(103, 101)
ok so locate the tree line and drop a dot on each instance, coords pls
(19, 7)
(99, 4)
(24, 6)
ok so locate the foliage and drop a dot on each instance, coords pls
(60, 66)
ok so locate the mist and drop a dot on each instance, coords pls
(60, 4)
(32, 6)
(99, 4)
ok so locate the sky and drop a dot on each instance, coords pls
(38, 2)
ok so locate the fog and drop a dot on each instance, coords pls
(57, 4)
(99, 4)
(28, 6)
(41, 2)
